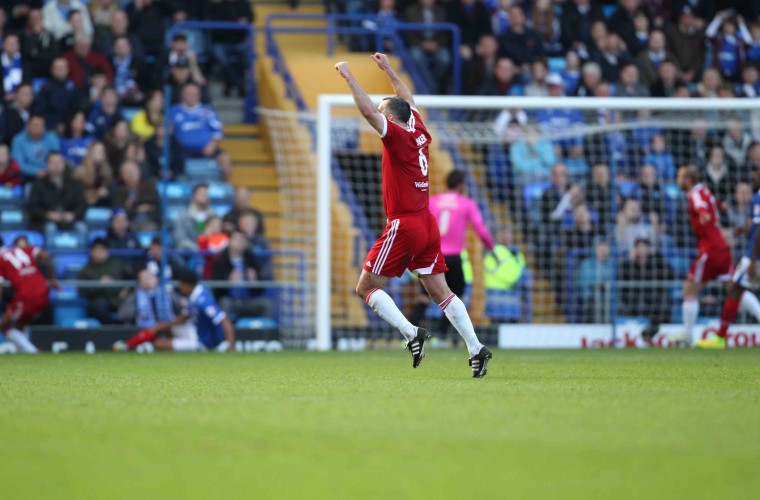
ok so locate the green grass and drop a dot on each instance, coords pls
(575, 424)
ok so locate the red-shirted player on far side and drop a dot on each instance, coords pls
(411, 239)
(713, 262)
(18, 266)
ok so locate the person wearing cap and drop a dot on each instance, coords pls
(103, 268)
(638, 298)
(180, 54)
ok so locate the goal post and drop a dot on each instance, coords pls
(462, 124)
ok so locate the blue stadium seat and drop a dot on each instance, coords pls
(10, 198)
(37, 83)
(68, 265)
(177, 193)
(220, 192)
(145, 237)
(609, 10)
(532, 192)
(97, 233)
(556, 64)
(68, 240)
(35, 239)
(629, 189)
(12, 220)
(255, 323)
(202, 170)
(79, 323)
(98, 217)
(129, 112)
(221, 209)
(173, 212)
(68, 311)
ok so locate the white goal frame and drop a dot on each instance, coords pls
(326, 103)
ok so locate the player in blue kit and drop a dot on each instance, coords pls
(744, 276)
(214, 330)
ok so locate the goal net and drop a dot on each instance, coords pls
(580, 195)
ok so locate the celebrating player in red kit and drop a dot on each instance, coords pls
(713, 260)
(19, 266)
(411, 239)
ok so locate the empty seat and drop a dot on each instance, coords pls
(12, 219)
(11, 198)
(67, 240)
(98, 217)
(202, 170)
(177, 193)
(68, 265)
(255, 323)
(79, 323)
(220, 192)
(145, 237)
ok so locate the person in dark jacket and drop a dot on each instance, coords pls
(520, 43)
(58, 98)
(138, 196)
(237, 263)
(645, 264)
(56, 201)
(102, 267)
(229, 46)
(38, 45)
(121, 237)
(577, 18)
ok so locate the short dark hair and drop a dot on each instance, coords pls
(399, 107)
(52, 153)
(187, 277)
(455, 178)
(199, 186)
(99, 242)
(36, 115)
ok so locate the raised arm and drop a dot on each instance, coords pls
(399, 87)
(363, 103)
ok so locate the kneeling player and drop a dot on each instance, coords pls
(212, 329)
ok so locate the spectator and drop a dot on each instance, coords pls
(686, 40)
(151, 116)
(430, 49)
(180, 75)
(591, 76)
(546, 26)
(750, 84)
(103, 268)
(105, 113)
(662, 160)
(147, 20)
(753, 157)
(623, 23)
(149, 304)
(230, 45)
(96, 84)
(17, 113)
(560, 125)
(532, 157)
(101, 12)
(595, 273)
(611, 57)
(572, 73)
(77, 30)
(584, 229)
(473, 20)
(75, 140)
(503, 81)
(647, 301)
(710, 84)
(198, 129)
(738, 213)
(15, 69)
(649, 60)
(481, 65)
(58, 98)
(96, 176)
(538, 86)
(599, 193)
(577, 19)
(559, 198)
(500, 17)
(155, 158)
(510, 124)
(180, 54)
(651, 195)
(238, 264)
(736, 142)
(83, 61)
(10, 175)
(641, 25)
(55, 17)
(520, 43)
(139, 197)
(241, 205)
(117, 141)
(211, 243)
(667, 81)
(720, 176)
(56, 200)
(126, 69)
(631, 225)
(249, 225)
(629, 85)
(697, 146)
(153, 262)
(118, 27)
(121, 237)
(191, 223)
(727, 47)
(38, 46)
(31, 147)
(504, 272)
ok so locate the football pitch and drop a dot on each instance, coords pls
(552, 424)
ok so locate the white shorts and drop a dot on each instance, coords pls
(741, 274)
(185, 338)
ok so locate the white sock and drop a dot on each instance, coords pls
(690, 310)
(455, 310)
(21, 341)
(384, 306)
(750, 304)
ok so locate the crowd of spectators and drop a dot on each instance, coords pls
(82, 126)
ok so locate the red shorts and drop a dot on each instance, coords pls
(711, 266)
(24, 310)
(412, 243)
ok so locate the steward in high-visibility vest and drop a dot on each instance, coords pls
(504, 273)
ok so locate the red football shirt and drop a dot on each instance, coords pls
(19, 267)
(405, 167)
(709, 237)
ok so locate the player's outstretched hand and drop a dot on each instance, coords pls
(342, 68)
(382, 61)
